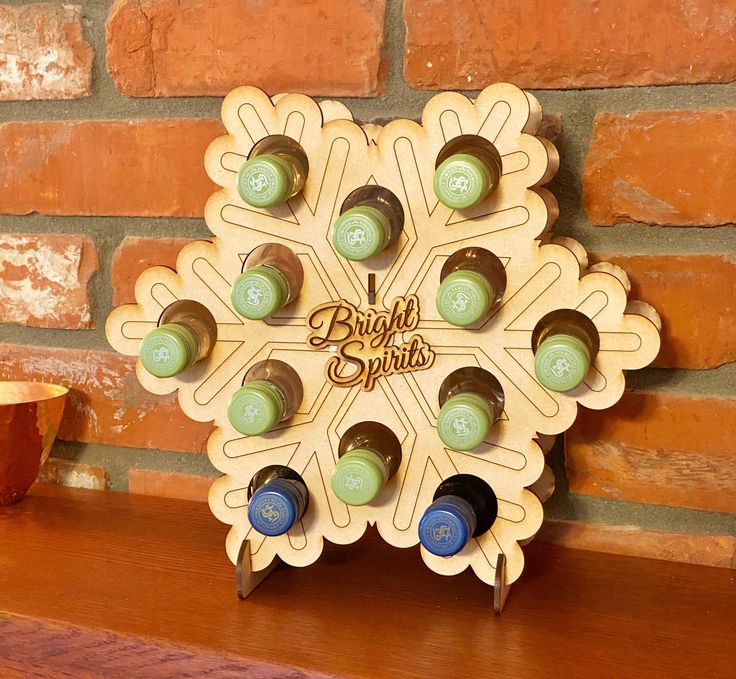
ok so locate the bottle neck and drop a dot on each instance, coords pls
(285, 378)
(567, 322)
(277, 505)
(256, 408)
(269, 473)
(375, 437)
(465, 298)
(381, 198)
(361, 232)
(447, 525)
(169, 350)
(260, 291)
(481, 261)
(476, 380)
(477, 493)
(198, 318)
(266, 180)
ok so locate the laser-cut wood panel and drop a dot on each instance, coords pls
(543, 274)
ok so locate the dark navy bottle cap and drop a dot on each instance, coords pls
(447, 525)
(276, 506)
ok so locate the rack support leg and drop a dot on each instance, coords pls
(246, 579)
(500, 588)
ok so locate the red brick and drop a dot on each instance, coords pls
(133, 256)
(694, 295)
(43, 54)
(169, 484)
(73, 474)
(106, 403)
(329, 47)
(657, 447)
(705, 550)
(662, 167)
(467, 44)
(43, 280)
(103, 167)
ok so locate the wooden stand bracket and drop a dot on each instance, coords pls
(500, 588)
(245, 579)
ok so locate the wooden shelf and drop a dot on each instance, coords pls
(149, 582)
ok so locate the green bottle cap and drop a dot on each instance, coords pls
(257, 407)
(359, 476)
(464, 421)
(361, 232)
(464, 297)
(561, 362)
(461, 181)
(265, 181)
(259, 292)
(169, 349)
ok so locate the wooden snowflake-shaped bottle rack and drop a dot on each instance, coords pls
(543, 274)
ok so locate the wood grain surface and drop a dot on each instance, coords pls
(149, 580)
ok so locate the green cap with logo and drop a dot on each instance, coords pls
(169, 349)
(464, 297)
(464, 421)
(265, 181)
(361, 232)
(259, 292)
(461, 181)
(359, 476)
(256, 408)
(561, 362)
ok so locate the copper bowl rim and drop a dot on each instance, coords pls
(17, 393)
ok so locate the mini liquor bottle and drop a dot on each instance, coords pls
(369, 455)
(271, 393)
(468, 168)
(277, 499)
(464, 507)
(371, 219)
(272, 278)
(275, 171)
(186, 333)
(471, 401)
(472, 283)
(565, 343)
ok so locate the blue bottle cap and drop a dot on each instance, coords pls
(447, 525)
(275, 507)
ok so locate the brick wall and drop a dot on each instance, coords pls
(106, 109)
